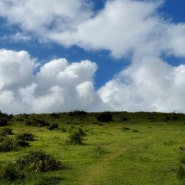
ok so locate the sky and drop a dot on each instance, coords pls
(92, 55)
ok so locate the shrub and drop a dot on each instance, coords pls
(63, 129)
(36, 122)
(37, 161)
(124, 119)
(34, 161)
(6, 131)
(53, 126)
(7, 144)
(126, 128)
(9, 172)
(104, 117)
(26, 136)
(76, 136)
(77, 113)
(55, 115)
(4, 119)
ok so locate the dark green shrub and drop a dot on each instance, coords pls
(26, 136)
(7, 144)
(126, 128)
(4, 119)
(37, 122)
(6, 131)
(104, 117)
(9, 172)
(63, 129)
(55, 115)
(77, 113)
(124, 119)
(37, 161)
(53, 126)
(76, 136)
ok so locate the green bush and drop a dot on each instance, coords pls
(34, 161)
(7, 144)
(37, 161)
(104, 117)
(12, 144)
(39, 122)
(9, 172)
(77, 113)
(26, 137)
(6, 131)
(53, 126)
(4, 119)
(76, 136)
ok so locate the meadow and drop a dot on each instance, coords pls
(79, 148)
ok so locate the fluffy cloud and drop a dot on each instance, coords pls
(38, 17)
(122, 26)
(56, 86)
(15, 68)
(150, 85)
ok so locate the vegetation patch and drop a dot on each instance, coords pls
(76, 136)
(8, 144)
(38, 161)
(27, 136)
(53, 126)
(34, 161)
(6, 131)
(105, 117)
(35, 121)
(4, 119)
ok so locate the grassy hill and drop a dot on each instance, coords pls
(80, 148)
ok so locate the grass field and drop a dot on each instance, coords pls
(129, 149)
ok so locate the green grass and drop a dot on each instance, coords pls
(143, 149)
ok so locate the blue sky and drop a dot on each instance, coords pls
(120, 55)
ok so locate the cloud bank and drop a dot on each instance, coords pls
(56, 86)
(126, 28)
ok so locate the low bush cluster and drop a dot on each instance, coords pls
(76, 136)
(34, 161)
(14, 143)
(5, 131)
(8, 144)
(53, 126)
(26, 136)
(4, 119)
(34, 121)
(37, 161)
(104, 117)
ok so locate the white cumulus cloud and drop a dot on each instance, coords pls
(150, 85)
(56, 86)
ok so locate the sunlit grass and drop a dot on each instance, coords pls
(129, 152)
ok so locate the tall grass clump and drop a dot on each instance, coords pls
(76, 136)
